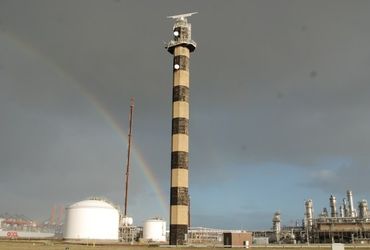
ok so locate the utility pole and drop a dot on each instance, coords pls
(128, 152)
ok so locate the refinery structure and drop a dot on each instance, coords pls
(344, 224)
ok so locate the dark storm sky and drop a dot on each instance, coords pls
(280, 97)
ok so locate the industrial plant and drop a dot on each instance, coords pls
(349, 225)
(19, 226)
(343, 224)
(99, 220)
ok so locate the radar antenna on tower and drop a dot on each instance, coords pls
(183, 16)
(181, 33)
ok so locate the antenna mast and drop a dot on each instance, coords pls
(128, 152)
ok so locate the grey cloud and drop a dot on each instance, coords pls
(353, 177)
(279, 82)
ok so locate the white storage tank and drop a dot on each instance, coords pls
(154, 230)
(127, 221)
(91, 219)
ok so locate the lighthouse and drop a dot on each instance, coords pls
(180, 47)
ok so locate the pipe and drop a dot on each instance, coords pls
(333, 206)
(362, 207)
(345, 207)
(351, 210)
(309, 213)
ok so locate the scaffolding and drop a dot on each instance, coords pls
(341, 230)
(130, 234)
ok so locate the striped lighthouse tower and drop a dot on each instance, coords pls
(181, 46)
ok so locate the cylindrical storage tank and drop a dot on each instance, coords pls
(309, 214)
(352, 211)
(91, 219)
(362, 209)
(333, 206)
(154, 230)
(127, 221)
(276, 222)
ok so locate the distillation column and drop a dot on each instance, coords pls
(276, 225)
(309, 214)
(345, 208)
(180, 47)
(363, 209)
(333, 206)
(351, 208)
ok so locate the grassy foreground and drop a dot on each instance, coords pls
(59, 245)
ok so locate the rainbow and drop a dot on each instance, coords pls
(107, 116)
(137, 153)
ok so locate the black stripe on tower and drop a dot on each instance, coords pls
(179, 196)
(180, 93)
(177, 234)
(182, 61)
(179, 159)
(180, 125)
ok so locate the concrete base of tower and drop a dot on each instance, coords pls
(178, 234)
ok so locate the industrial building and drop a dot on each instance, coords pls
(238, 239)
